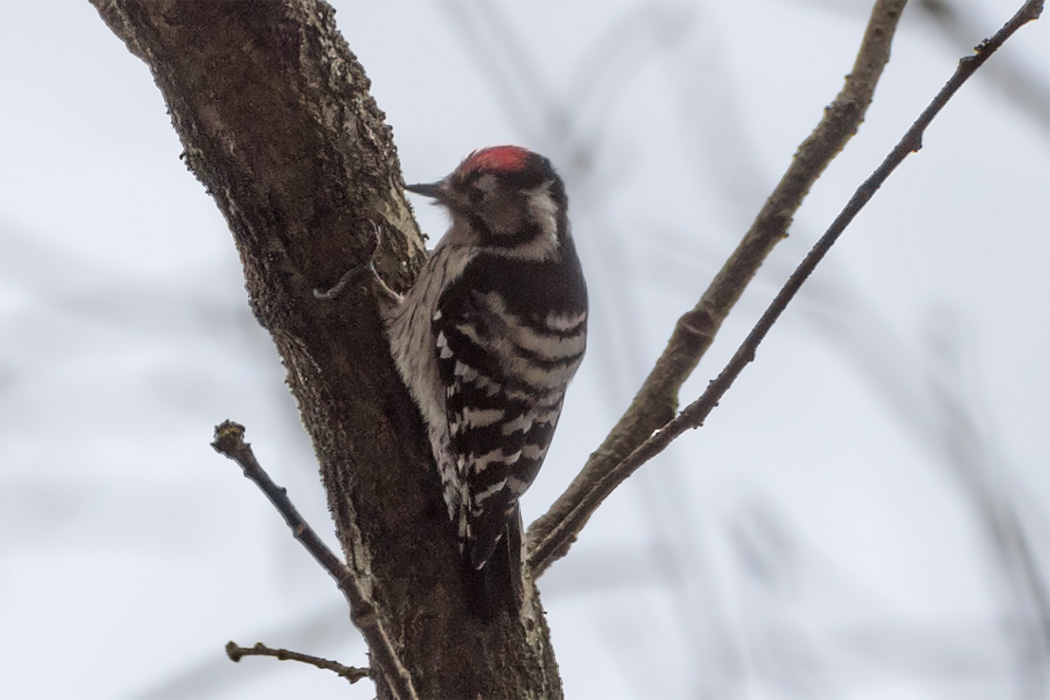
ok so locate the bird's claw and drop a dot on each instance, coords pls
(352, 273)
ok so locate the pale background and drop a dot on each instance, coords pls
(851, 522)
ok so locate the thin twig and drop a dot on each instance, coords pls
(560, 537)
(657, 400)
(229, 441)
(1012, 76)
(350, 673)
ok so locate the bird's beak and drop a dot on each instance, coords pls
(430, 189)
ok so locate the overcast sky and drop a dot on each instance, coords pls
(847, 524)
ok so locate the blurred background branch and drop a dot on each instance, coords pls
(656, 403)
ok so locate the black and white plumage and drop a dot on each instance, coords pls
(490, 334)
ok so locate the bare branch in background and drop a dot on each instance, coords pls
(572, 124)
(962, 437)
(212, 675)
(790, 589)
(920, 388)
(656, 402)
(350, 673)
(229, 441)
(1010, 77)
(593, 490)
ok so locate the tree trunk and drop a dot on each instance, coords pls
(275, 117)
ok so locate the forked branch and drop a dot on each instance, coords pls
(229, 441)
(657, 401)
(551, 536)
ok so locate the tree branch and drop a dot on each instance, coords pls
(1009, 75)
(561, 536)
(350, 673)
(229, 441)
(275, 118)
(657, 401)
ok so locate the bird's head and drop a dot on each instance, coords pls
(504, 197)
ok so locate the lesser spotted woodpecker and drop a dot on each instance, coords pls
(489, 336)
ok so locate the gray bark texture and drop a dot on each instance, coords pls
(277, 122)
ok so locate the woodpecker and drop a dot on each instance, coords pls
(488, 338)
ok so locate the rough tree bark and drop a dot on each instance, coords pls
(276, 120)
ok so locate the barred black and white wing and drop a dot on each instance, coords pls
(509, 336)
